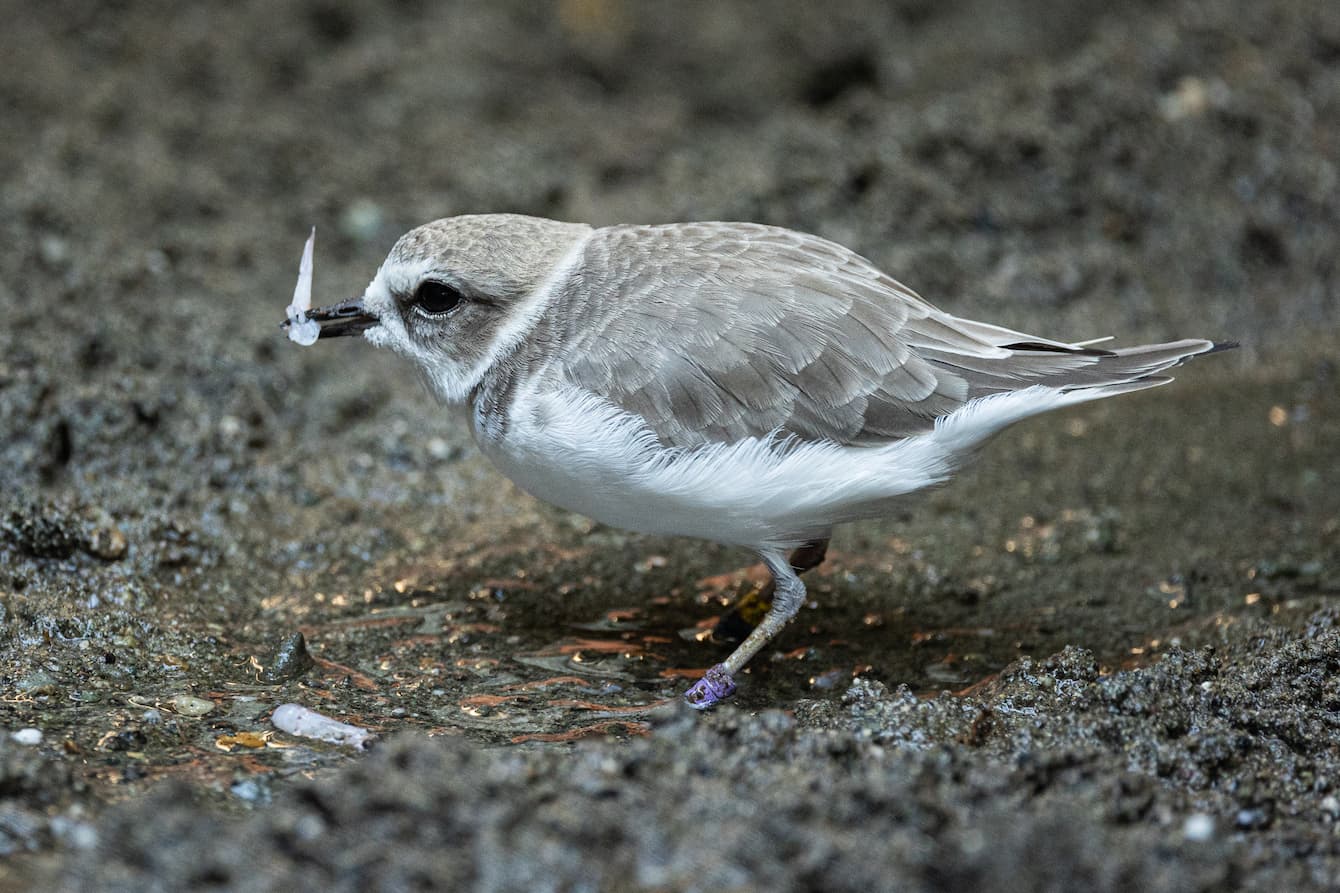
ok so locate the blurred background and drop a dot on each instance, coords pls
(181, 490)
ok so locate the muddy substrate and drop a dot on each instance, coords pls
(1104, 658)
(1203, 772)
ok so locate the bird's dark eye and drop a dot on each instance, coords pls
(436, 298)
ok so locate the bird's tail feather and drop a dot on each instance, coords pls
(1074, 367)
(1114, 372)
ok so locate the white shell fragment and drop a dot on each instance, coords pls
(31, 737)
(302, 330)
(297, 720)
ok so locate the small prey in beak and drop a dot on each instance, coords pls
(345, 318)
(304, 324)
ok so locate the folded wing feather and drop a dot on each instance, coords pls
(723, 331)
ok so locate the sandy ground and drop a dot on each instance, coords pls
(1104, 659)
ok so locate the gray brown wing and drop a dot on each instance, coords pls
(716, 331)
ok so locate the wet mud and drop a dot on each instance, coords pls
(1103, 658)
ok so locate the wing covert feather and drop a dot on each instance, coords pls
(714, 332)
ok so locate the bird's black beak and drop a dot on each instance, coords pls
(345, 318)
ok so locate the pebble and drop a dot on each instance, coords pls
(108, 543)
(189, 705)
(309, 827)
(230, 426)
(1250, 819)
(289, 661)
(157, 262)
(1198, 827)
(252, 790)
(1192, 97)
(80, 835)
(53, 250)
(38, 682)
(441, 451)
(29, 736)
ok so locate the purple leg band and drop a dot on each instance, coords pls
(715, 686)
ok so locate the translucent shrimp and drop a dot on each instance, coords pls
(302, 330)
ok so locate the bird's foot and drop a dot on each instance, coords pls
(715, 686)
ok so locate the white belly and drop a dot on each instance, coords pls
(582, 453)
(597, 466)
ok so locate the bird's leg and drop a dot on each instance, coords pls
(751, 607)
(718, 683)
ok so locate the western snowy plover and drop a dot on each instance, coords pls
(730, 381)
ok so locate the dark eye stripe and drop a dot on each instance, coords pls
(436, 298)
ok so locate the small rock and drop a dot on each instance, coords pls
(189, 705)
(309, 827)
(38, 682)
(441, 451)
(1192, 97)
(108, 543)
(289, 661)
(53, 250)
(125, 740)
(1251, 819)
(30, 736)
(1198, 827)
(255, 790)
(80, 835)
(157, 262)
(230, 426)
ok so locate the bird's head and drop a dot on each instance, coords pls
(455, 294)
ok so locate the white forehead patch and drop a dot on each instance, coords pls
(394, 277)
